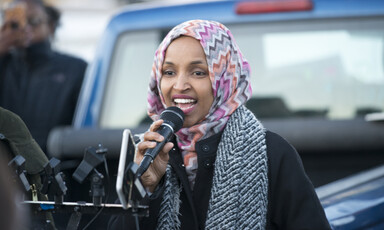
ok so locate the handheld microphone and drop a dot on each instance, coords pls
(173, 121)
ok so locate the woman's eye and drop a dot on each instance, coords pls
(199, 73)
(168, 72)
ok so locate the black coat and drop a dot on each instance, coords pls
(42, 87)
(292, 201)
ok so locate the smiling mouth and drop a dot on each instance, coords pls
(184, 104)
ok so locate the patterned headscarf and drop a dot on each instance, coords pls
(229, 73)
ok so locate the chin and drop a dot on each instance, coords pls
(188, 124)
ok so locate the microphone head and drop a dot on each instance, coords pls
(173, 116)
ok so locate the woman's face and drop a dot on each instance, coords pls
(185, 79)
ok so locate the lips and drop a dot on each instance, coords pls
(185, 103)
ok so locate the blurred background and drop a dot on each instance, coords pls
(82, 23)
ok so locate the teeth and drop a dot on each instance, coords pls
(184, 101)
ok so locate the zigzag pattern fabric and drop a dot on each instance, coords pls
(229, 73)
(170, 204)
(239, 194)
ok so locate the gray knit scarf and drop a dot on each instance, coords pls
(239, 195)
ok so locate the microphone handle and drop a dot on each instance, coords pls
(166, 131)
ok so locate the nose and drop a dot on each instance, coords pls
(181, 82)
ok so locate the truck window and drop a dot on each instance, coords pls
(315, 68)
(125, 101)
(326, 68)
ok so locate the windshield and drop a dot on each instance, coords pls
(331, 69)
(125, 98)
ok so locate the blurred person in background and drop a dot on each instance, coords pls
(36, 82)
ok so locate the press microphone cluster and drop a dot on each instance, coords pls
(173, 121)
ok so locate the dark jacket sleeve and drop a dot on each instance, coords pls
(1, 62)
(293, 200)
(1, 74)
(2, 66)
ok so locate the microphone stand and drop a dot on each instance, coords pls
(18, 165)
(53, 183)
(79, 208)
(136, 206)
(87, 169)
(137, 193)
(97, 191)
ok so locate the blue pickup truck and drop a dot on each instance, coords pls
(317, 77)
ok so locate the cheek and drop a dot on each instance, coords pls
(210, 100)
(207, 96)
(165, 90)
(209, 91)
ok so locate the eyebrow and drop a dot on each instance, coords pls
(192, 63)
(168, 63)
(197, 62)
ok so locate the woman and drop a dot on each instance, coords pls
(223, 170)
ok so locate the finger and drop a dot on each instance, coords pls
(163, 155)
(142, 146)
(153, 136)
(167, 148)
(155, 125)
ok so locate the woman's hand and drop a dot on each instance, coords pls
(156, 170)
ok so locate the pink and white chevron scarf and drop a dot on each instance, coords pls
(229, 73)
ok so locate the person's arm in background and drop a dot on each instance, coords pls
(294, 203)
